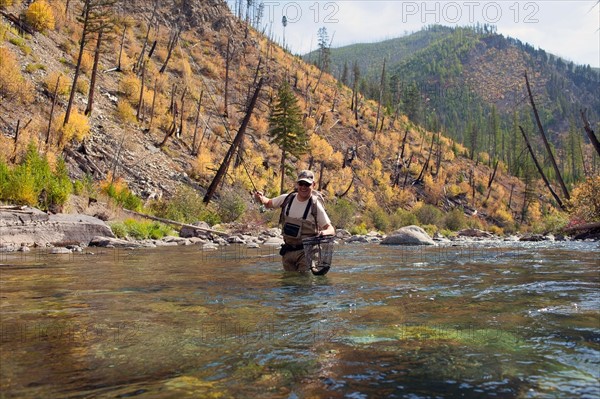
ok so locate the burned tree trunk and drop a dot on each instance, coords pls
(541, 172)
(196, 124)
(492, 177)
(426, 164)
(228, 59)
(590, 132)
(140, 60)
(545, 140)
(170, 47)
(225, 164)
(141, 100)
(182, 115)
(153, 104)
(82, 43)
(54, 101)
(381, 86)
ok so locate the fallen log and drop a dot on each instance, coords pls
(18, 22)
(172, 222)
(583, 226)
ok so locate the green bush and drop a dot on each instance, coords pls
(341, 213)
(85, 186)
(360, 229)
(123, 197)
(185, 206)
(429, 214)
(231, 206)
(402, 218)
(141, 229)
(431, 229)
(552, 223)
(34, 183)
(119, 229)
(455, 220)
(378, 218)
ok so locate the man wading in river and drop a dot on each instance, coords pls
(302, 216)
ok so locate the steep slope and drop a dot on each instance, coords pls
(180, 131)
(470, 81)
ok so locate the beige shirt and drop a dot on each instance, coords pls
(298, 207)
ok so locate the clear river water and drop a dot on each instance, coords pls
(502, 320)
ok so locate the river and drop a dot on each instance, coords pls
(505, 320)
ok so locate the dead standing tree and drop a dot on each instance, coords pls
(381, 90)
(173, 39)
(541, 172)
(545, 140)
(590, 132)
(105, 29)
(226, 161)
(151, 22)
(92, 17)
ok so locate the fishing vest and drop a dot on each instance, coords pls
(295, 229)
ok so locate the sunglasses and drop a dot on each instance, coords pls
(304, 184)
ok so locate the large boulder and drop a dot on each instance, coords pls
(408, 235)
(30, 226)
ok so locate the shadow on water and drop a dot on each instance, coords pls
(505, 320)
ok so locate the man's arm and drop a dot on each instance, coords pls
(260, 197)
(328, 230)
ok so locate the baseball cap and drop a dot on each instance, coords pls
(307, 176)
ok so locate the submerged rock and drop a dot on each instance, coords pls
(408, 235)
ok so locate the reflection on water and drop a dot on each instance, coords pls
(506, 320)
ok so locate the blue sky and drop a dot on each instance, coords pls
(567, 28)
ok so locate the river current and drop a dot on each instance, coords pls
(504, 320)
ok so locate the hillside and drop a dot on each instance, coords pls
(158, 132)
(470, 82)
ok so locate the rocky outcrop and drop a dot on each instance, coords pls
(29, 226)
(408, 235)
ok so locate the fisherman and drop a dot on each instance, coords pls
(302, 215)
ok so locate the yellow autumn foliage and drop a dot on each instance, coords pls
(585, 200)
(130, 87)
(64, 83)
(125, 112)
(40, 16)
(77, 128)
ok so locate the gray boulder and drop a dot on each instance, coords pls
(112, 242)
(408, 235)
(30, 226)
(188, 231)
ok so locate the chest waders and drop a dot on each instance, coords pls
(295, 229)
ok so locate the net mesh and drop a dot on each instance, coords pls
(318, 250)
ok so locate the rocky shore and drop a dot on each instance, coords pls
(22, 228)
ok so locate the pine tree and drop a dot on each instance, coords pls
(285, 126)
